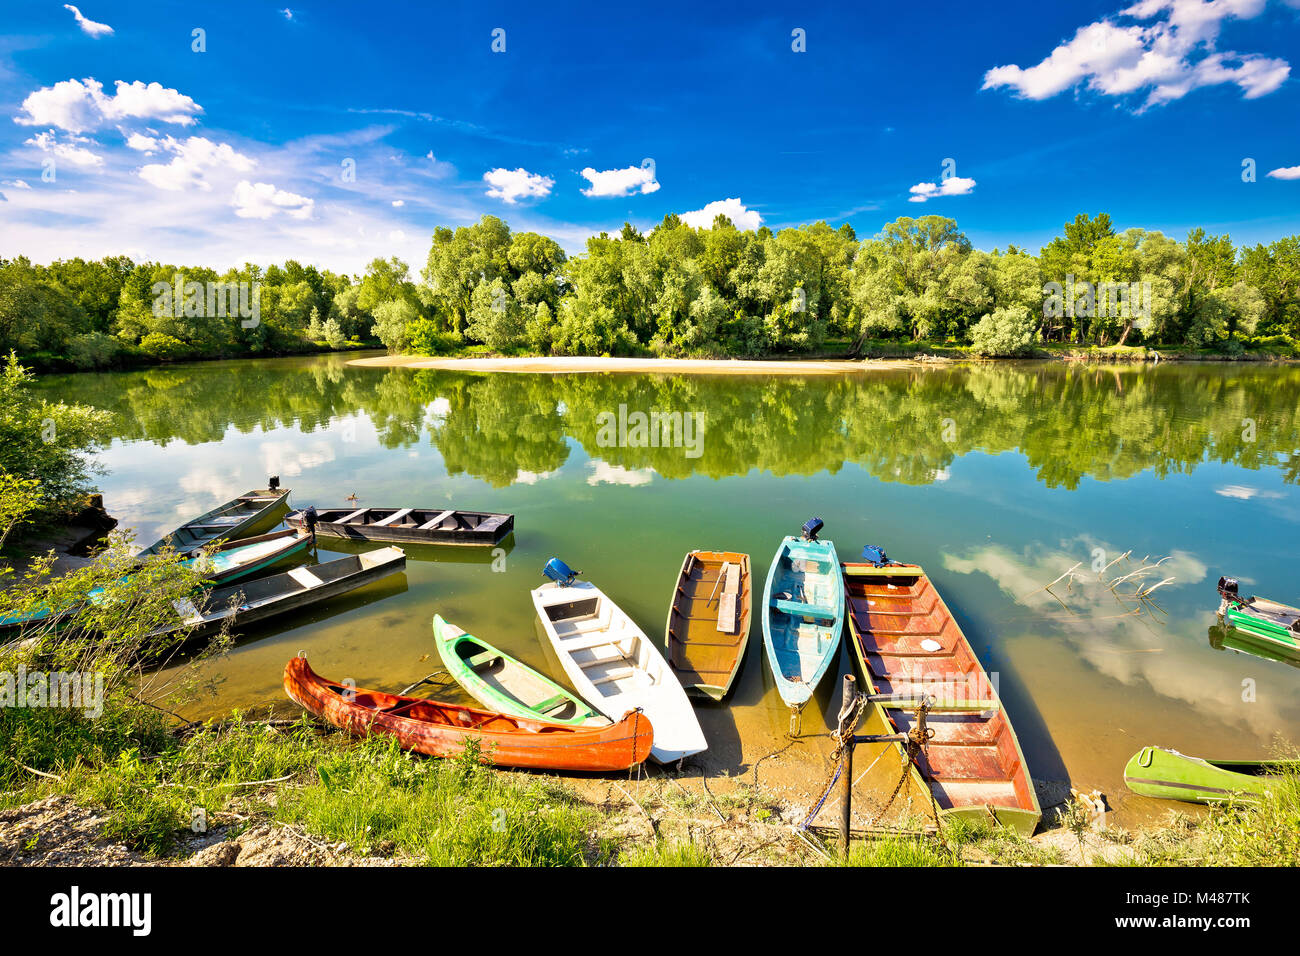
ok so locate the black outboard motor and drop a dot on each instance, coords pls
(273, 482)
(811, 527)
(1228, 590)
(309, 519)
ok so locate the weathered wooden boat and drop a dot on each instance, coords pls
(1156, 772)
(1272, 627)
(708, 621)
(504, 685)
(251, 511)
(444, 730)
(803, 613)
(416, 525)
(611, 662)
(292, 590)
(908, 647)
(220, 564)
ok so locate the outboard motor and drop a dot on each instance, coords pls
(811, 527)
(876, 555)
(1228, 590)
(309, 519)
(559, 572)
(273, 482)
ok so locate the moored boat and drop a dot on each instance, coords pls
(1272, 627)
(612, 664)
(251, 511)
(708, 621)
(1156, 772)
(292, 590)
(803, 613)
(908, 647)
(444, 730)
(413, 525)
(504, 685)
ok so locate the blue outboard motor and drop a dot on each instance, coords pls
(811, 527)
(876, 555)
(559, 572)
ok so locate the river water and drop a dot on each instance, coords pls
(997, 479)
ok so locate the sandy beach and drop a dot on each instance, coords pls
(536, 364)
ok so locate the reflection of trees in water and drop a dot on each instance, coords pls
(1069, 422)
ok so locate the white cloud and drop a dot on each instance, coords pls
(620, 182)
(142, 143)
(80, 105)
(287, 13)
(511, 185)
(1285, 172)
(193, 157)
(603, 473)
(399, 203)
(88, 27)
(15, 184)
(1245, 492)
(263, 200)
(1165, 58)
(733, 209)
(77, 155)
(952, 186)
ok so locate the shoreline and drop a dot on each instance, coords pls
(587, 363)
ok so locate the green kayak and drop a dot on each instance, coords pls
(1155, 772)
(504, 685)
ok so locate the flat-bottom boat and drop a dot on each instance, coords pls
(446, 526)
(500, 683)
(908, 647)
(708, 621)
(292, 590)
(612, 664)
(1156, 772)
(444, 730)
(1272, 627)
(251, 511)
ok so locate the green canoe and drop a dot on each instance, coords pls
(1155, 772)
(1261, 624)
(504, 685)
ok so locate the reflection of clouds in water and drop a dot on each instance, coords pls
(605, 473)
(205, 488)
(292, 458)
(437, 412)
(1170, 656)
(533, 477)
(1246, 492)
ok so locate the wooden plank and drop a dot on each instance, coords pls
(346, 518)
(395, 516)
(434, 522)
(733, 580)
(305, 578)
(727, 613)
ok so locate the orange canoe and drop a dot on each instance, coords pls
(907, 645)
(442, 730)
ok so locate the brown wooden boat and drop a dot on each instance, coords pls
(908, 645)
(708, 622)
(442, 730)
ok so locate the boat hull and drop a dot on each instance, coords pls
(444, 730)
(250, 512)
(412, 525)
(1169, 775)
(708, 628)
(906, 643)
(1272, 636)
(801, 630)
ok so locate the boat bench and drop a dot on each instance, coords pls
(800, 609)
(599, 639)
(808, 554)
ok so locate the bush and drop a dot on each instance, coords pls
(93, 350)
(1005, 333)
(393, 320)
(427, 339)
(164, 347)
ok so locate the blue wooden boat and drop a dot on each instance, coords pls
(803, 613)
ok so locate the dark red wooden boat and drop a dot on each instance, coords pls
(442, 730)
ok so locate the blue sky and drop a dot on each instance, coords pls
(1044, 110)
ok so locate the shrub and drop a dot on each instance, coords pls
(93, 350)
(1004, 333)
(164, 347)
(428, 339)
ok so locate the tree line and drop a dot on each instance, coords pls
(678, 290)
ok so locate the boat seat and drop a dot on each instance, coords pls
(599, 639)
(803, 553)
(394, 517)
(435, 521)
(481, 658)
(801, 609)
(304, 577)
(346, 518)
(491, 524)
(551, 703)
(615, 675)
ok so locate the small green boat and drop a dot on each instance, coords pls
(507, 686)
(1156, 772)
(1273, 628)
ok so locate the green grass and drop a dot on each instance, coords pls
(673, 853)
